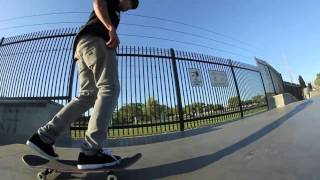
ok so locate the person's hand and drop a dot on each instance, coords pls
(114, 40)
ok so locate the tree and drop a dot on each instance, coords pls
(215, 107)
(173, 111)
(195, 108)
(247, 102)
(317, 81)
(259, 99)
(135, 113)
(152, 110)
(233, 102)
(127, 114)
(302, 82)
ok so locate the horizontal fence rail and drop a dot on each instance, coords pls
(162, 90)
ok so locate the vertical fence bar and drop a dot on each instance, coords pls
(177, 85)
(1, 41)
(274, 88)
(237, 87)
(282, 83)
(265, 91)
(299, 89)
(71, 76)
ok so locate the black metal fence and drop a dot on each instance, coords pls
(274, 82)
(272, 78)
(294, 89)
(162, 90)
(36, 66)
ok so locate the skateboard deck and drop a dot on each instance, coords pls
(60, 166)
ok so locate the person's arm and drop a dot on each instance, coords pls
(99, 7)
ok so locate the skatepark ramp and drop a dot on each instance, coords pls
(19, 119)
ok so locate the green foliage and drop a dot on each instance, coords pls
(233, 102)
(259, 99)
(136, 113)
(127, 114)
(256, 100)
(215, 107)
(195, 108)
(317, 81)
(153, 112)
(247, 102)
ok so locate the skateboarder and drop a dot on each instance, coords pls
(95, 54)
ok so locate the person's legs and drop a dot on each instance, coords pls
(72, 111)
(102, 61)
(45, 137)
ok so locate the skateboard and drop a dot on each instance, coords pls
(70, 166)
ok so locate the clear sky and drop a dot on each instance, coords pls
(276, 30)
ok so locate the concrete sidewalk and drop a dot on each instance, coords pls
(279, 144)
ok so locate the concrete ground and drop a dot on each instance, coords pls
(282, 144)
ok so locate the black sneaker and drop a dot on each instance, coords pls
(44, 149)
(103, 158)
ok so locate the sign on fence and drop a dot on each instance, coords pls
(195, 77)
(218, 78)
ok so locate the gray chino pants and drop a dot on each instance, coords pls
(99, 88)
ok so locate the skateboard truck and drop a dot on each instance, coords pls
(43, 174)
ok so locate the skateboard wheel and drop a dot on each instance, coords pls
(41, 176)
(111, 177)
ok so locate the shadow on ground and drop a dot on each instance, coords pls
(193, 164)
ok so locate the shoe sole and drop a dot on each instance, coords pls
(37, 149)
(96, 166)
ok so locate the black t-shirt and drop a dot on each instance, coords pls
(95, 27)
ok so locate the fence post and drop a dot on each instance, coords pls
(265, 91)
(71, 80)
(282, 83)
(177, 86)
(237, 87)
(1, 41)
(300, 92)
(274, 88)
